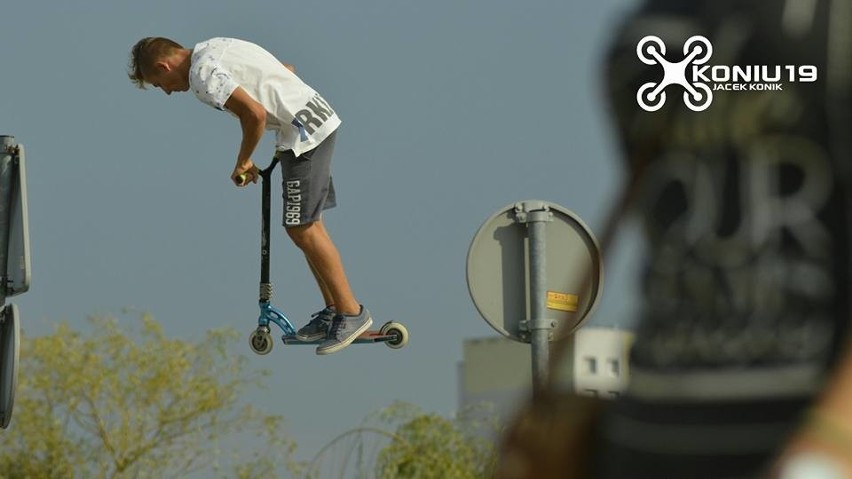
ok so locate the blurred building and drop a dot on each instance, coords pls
(498, 371)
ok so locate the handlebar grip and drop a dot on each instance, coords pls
(242, 179)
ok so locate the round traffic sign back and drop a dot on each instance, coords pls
(498, 269)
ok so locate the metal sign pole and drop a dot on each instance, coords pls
(539, 332)
(522, 274)
(536, 215)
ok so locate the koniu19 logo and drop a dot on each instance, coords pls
(696, 50)
(699, 79)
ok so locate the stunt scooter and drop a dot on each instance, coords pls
(393, 334)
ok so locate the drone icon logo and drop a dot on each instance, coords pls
(696, 50)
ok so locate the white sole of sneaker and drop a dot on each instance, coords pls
(337, 347)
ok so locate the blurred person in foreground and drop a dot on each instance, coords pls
(741, 366)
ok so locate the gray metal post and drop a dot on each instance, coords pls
(531, 268)
(536, 215)
(7, 169)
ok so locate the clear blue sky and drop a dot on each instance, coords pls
(451, 110)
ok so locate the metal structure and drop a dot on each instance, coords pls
(531, 268)
(14, 265)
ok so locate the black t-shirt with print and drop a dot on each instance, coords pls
(745, 213)
(743, 204)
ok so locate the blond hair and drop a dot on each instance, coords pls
(145, 53)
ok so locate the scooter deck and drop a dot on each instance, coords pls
(369, 336)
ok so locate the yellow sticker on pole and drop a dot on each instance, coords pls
(562, 301)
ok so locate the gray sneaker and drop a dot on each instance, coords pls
(317, 328)
(344, 330)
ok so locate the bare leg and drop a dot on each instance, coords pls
(325, 261)
(326, 293)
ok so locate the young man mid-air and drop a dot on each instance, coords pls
(265, 94)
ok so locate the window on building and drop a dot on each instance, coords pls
(614, 366)
(591, 364)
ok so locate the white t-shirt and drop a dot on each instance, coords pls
(300, 117)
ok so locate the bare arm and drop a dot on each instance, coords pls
(252, 117)
(828, 431)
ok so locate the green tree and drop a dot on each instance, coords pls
(430, 446)
(112, 404)
(403, 442)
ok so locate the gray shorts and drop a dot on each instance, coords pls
(307, 185)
